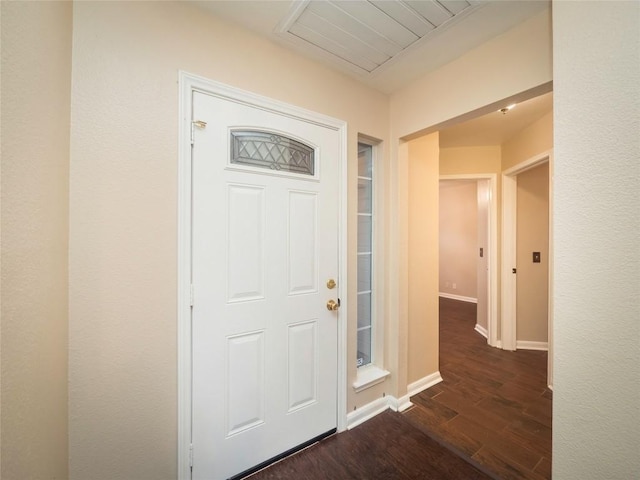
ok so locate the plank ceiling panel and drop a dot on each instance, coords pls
(431, 10)
(380, 22)
(454, 6)
(401, 13)
(329, 45)
(366, 34)
(338, 17)
(345, 39)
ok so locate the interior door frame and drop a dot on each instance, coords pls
(187, 84)
(509, 280)
(492, 232)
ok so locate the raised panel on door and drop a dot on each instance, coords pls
(302, 363)
(245, 242)
(302, 255)
(245, 382)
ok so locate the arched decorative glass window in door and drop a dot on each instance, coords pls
(255, 148)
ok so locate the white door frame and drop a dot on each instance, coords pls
(187, 84)
(509, 280)
(492, 292)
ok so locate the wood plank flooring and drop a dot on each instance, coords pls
(388, 446)
(489, 419)
(493, 406)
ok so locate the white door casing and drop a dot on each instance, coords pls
(266, 352)
(483, 277)
(509, 280)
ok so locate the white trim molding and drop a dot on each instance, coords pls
(527, 345)
(458, 297)
(187, 84)
(368, 377)
(509, 279)
(399, 404)
(379, 405)
(424, 383)
(367, 412)
(481, 330)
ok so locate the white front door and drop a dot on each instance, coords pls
(265, 244)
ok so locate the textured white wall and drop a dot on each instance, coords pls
(596, 425)
(36, 85)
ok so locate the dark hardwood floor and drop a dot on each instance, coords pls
(388, 446)
(490, 418)
(493, 406)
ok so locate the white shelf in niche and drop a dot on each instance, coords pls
(369, 376)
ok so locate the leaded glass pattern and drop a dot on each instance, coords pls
(272, 151)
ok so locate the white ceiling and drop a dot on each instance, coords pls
(386, 44)
(496, 128)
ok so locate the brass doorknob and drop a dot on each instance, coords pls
(332, 305)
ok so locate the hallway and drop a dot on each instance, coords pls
(493, 405)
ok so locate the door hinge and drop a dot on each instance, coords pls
(191, 456)
(196, 124)
(191, 295)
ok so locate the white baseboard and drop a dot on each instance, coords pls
(526, 345)
(424, 383)
(481, 330)
(367, 412)
(399, 404)
(379, 405)
(458, 297)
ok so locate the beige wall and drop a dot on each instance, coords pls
(466, 160)
(532, 235)
(467, 84)
(506, 66)
(532, 225)
(36, 83)
(596, 399)
(478, 160)
(123, 212)
(533, 140)
(423, 257)
(458, 237)
(123, 185)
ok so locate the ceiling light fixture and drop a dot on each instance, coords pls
(507, 108)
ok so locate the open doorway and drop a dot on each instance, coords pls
(527, 257)
(490, 396)
(467, 260)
